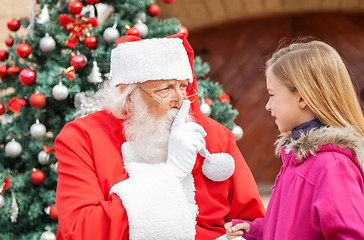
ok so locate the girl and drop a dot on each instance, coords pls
(319, 192)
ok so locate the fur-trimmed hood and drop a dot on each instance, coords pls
(309, 143)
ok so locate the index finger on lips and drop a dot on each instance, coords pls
(182, 113)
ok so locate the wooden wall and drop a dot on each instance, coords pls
(237, 52)
(201, 13)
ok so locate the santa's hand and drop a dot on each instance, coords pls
(185, 141)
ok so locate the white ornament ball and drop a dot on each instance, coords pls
(141, 17)
(218, 166)
(54, 166)
(142, 28)
(48, 235)
(47, 43)
(205, 109)
(60, 92)
(2, 201)
(238, 132)
(13, 149)
(37, 129)
(111, 34)
(43, 157)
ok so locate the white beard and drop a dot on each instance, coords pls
(147, 134)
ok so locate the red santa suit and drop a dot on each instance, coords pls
(103, 192)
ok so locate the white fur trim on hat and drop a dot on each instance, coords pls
(150, 59)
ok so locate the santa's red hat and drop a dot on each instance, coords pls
(136, 60)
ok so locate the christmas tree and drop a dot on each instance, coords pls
(49, 78)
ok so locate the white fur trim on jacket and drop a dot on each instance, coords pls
(157, 204)
(150, 59)
(345, 137)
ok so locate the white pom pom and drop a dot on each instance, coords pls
(218, 166)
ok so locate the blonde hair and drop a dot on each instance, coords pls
(318, 73)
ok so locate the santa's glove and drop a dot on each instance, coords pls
(185, 141)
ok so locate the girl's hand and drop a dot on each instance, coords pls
(236, 230)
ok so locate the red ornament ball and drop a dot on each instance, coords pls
(75, 7)
(92, 1)
(23, 50)
(78, 61)
(9, 42)
(209, 101)
(183, 30)
(133, 31)
(2, 108)
(37, 177)
(168, 1)
(37, 100)
(224, 98)
(3, 71)
(153, 10)
(53, 212)
(27, 76)
(90, 42)
(3, 55)
(13, 70)
(13, 25)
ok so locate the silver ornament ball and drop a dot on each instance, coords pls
(54, 166)
(13, 149)
(238, 132)
(142, 28)
(2, 201)
(47, 43)
(48, 235)
(141, 17)
(43, 157)
(111, 34)
(60, 92)
(37, 129)
(205, 109)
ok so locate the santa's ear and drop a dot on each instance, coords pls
(128, 103)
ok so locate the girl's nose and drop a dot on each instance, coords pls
(267, 106)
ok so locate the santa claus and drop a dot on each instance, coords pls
(151, 165)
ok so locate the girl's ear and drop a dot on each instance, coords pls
(302, 103)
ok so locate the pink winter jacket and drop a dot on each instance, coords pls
(319, 192)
